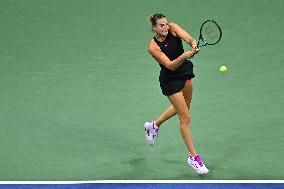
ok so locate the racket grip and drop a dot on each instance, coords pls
(197, 44)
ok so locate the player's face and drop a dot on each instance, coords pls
(162, 27)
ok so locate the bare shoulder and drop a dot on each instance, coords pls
(152, 46)
(174, 27)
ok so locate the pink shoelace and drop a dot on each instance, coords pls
(156, 129)
(198, 159)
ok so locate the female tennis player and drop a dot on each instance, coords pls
(175, 81)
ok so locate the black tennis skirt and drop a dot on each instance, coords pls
(170, 87)
(172, 82)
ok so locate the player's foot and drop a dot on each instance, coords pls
(151, 132)
(197, 164)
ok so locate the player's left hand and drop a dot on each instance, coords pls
(195, 50)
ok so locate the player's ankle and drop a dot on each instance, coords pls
(192, 155)
(157, 123)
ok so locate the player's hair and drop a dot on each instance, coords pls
(153, 19)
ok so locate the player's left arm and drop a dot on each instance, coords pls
(181, 33)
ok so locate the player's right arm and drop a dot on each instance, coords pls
(160, 57)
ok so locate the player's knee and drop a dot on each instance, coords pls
(184, 118)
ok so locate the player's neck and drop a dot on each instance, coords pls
(160, 38)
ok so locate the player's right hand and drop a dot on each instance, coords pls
(188, 54)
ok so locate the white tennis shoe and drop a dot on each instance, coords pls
(151, 132)
(197, 164)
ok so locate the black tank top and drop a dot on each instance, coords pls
(172, 47)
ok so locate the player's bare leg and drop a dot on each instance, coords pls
(170, 111)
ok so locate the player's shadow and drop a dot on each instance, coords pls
(137, 162)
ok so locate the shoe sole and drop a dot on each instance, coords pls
(199, 172)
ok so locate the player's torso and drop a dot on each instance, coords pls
(172, 47)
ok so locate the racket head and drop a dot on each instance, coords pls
(210, 33)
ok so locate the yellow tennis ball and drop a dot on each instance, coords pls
(223, 69)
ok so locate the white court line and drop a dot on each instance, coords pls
(144, 181)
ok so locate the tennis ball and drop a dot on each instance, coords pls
(223, 69)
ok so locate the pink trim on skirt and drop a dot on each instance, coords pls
(188, 81)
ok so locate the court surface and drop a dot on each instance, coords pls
(77, 85)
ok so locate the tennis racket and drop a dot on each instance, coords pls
(210, 33)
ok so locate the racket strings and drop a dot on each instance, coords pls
(211, 33)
